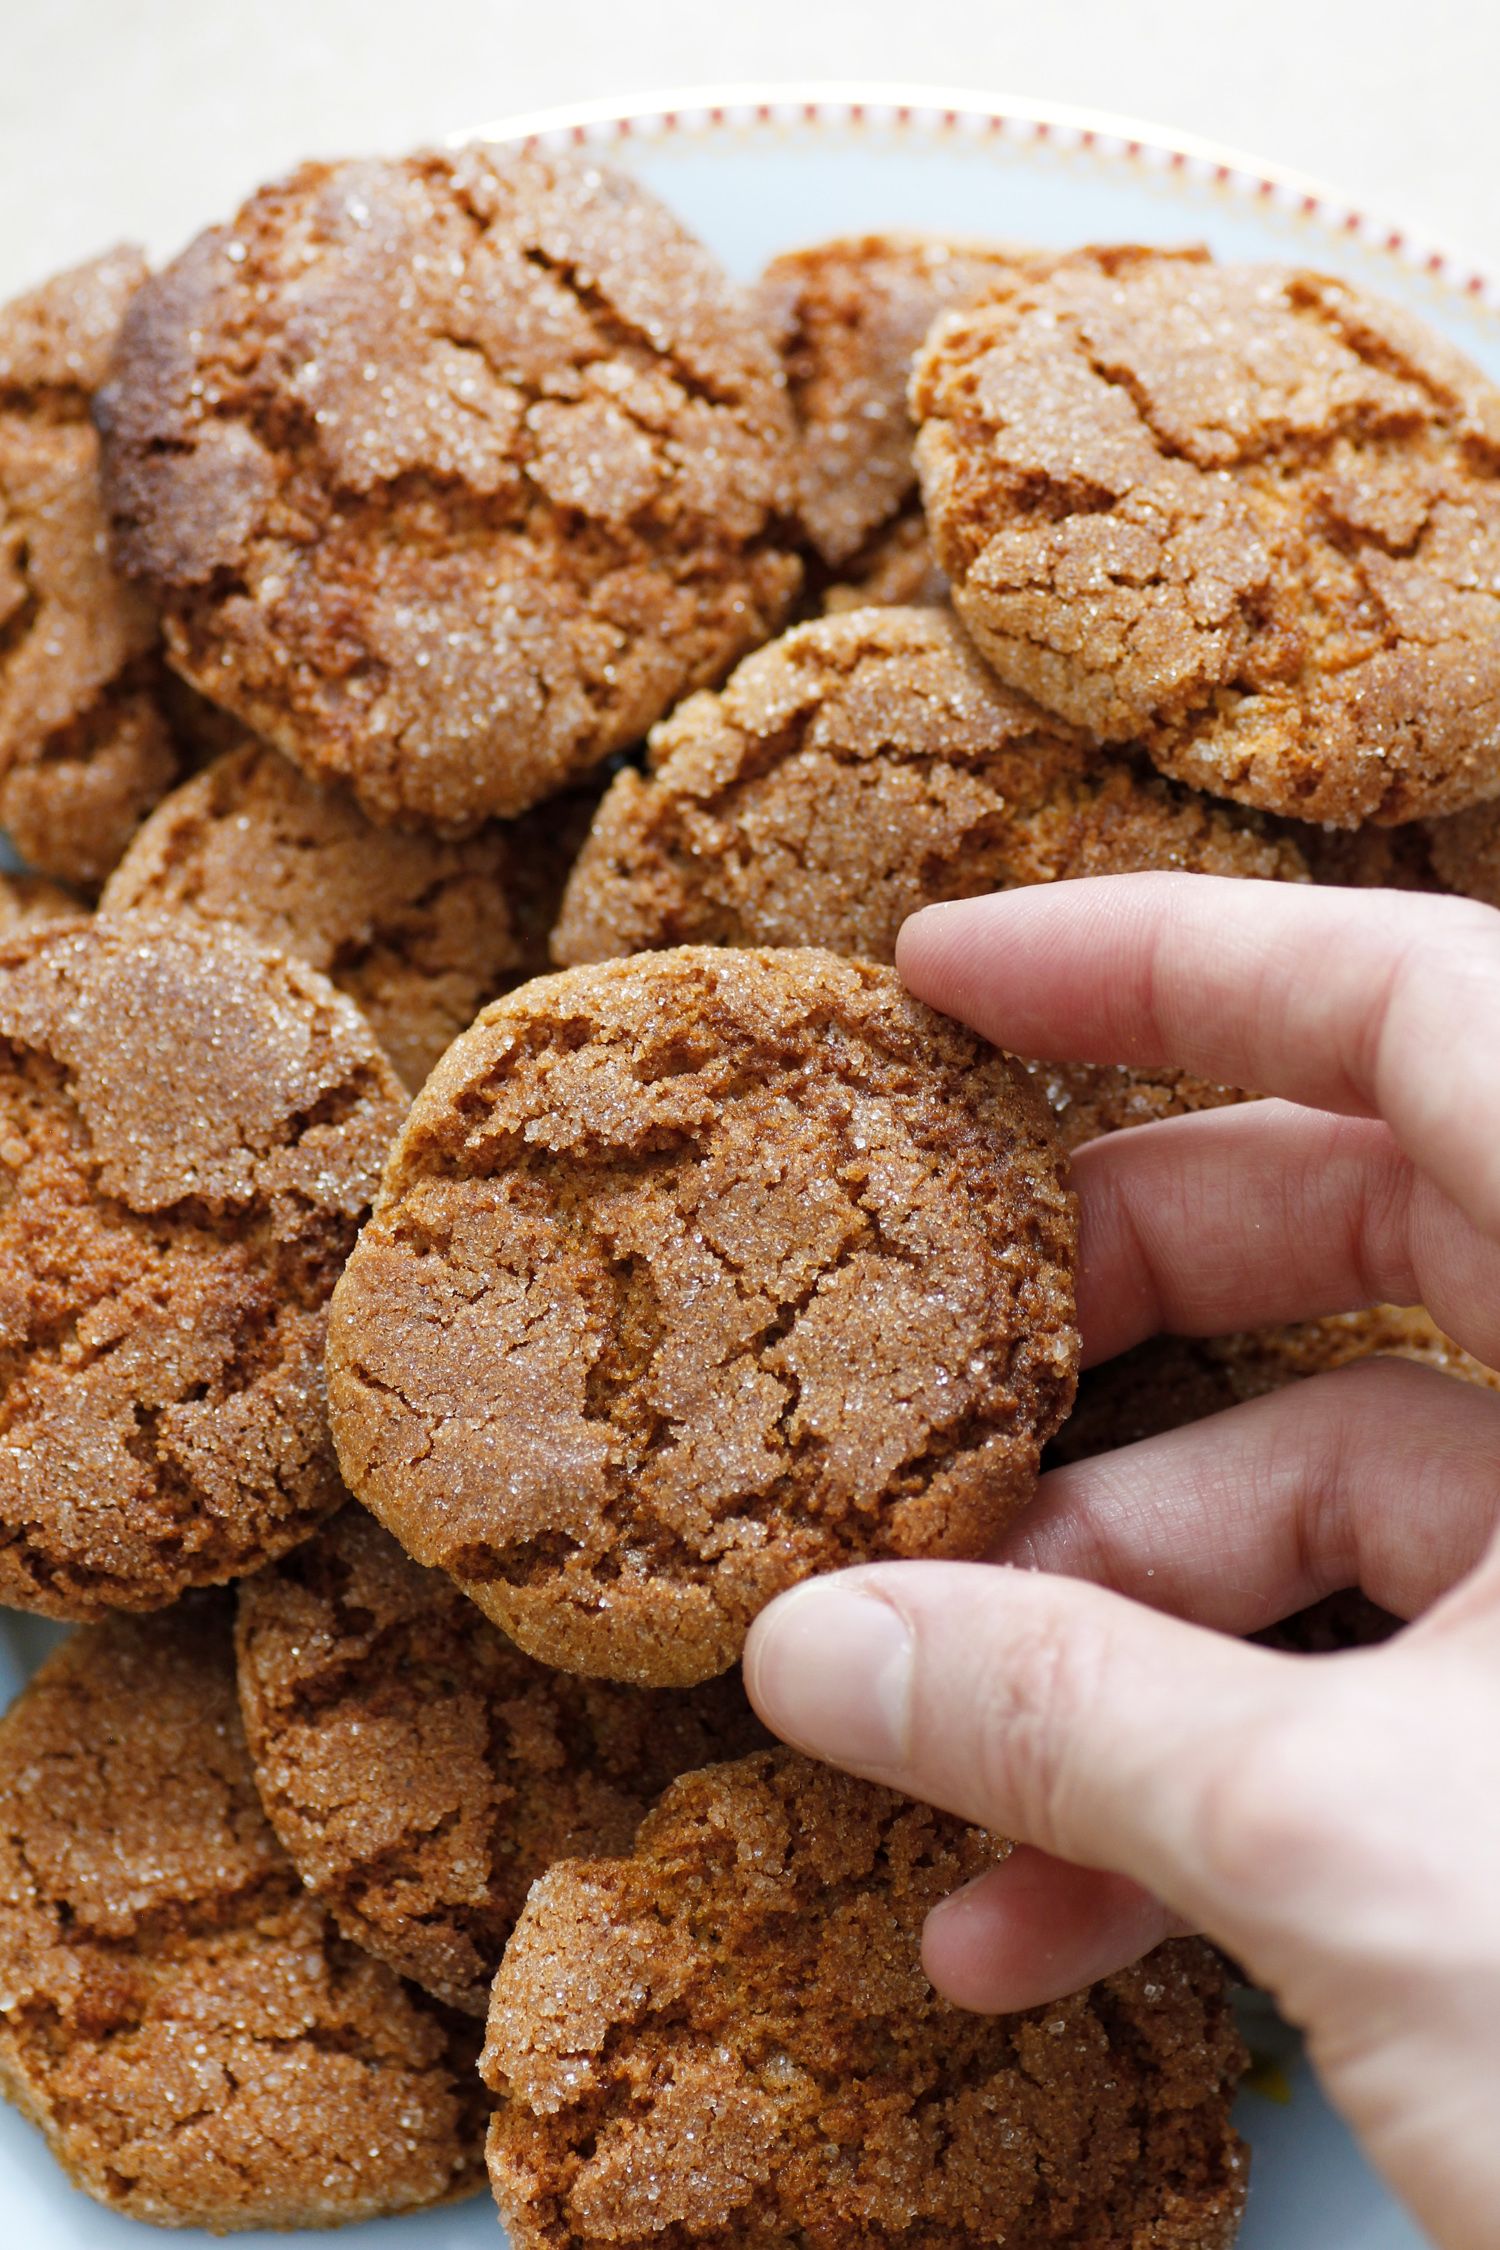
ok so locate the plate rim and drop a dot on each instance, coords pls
(976, 113)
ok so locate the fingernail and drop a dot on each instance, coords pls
(829, 1669)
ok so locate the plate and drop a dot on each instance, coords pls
(756, 171)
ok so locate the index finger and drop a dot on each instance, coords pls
(1372, 1003)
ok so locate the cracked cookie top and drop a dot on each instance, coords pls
(87, 743)
(867, 765)
(452, 473)
(1243, 515)
(422, 1772)
(197, 2042)
(191, 1129)
(861, 767)
(726, 2040)
(419, 931)
(693, 1274)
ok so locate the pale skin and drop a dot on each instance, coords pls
(1333, 1822)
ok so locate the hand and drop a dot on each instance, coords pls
(1334, 1822)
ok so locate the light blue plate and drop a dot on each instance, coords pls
(757, 171)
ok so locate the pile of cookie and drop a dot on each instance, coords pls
(480, 1215)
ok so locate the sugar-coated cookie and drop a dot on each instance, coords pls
(695, 1273)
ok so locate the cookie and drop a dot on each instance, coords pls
(846, 317)
(864, 766)
(451, 473)
(87, 741)
(422, 1772)
(191, 1130)
(26, 900)
(418, 931)
(1244, 515)
(726, 2040)
(1465, 852)
(1171, 1380)
(693, 1274)
(861, 767)
(185, 2025)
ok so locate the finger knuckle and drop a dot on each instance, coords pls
(1266, 1814)
(1034, 1710)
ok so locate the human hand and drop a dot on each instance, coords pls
(1335, 1824)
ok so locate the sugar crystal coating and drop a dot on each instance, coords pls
(1243, 515)
(692, 1274)
(422, 1772)
(726, 2040)
(185, 2025)
(451, 472)
(191, 1129)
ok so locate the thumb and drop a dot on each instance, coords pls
(1045, 1709)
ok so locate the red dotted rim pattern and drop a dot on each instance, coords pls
(979, 117)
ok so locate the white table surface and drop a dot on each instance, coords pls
(149, 118)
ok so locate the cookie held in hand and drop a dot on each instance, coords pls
(691, 1275)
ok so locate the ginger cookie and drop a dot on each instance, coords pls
(847, 316)
(726, 2040)
(26, 900)
(1465, 852)
(860, 767)
(191, 1130)
(693, 1274)
(422, 1772)
(1245, 516)
(185, 2025)
(452, 473)
(87, 742)
(417, 930)
(869, 764)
